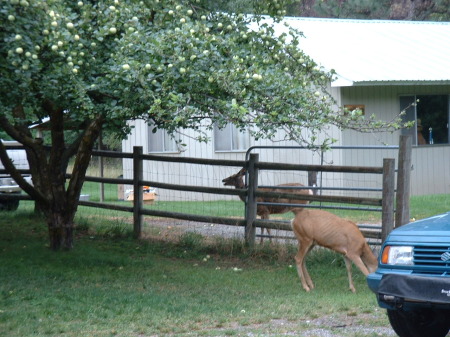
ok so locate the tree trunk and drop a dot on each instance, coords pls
(56, 198)
(60, 232)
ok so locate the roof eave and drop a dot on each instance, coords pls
(341, 82)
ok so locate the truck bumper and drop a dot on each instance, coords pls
(373, 281)
(406, 291)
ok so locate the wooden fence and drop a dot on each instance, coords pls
(391, 194)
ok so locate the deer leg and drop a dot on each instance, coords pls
(305, 271)
(303, 248)
(268, 233)
(265, 217)
(348, 265)
(262, 232)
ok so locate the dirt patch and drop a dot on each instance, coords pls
(345, 325)
(361, 325)
(173, 227)
(326, 326)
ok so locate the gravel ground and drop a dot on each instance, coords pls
(215, 230)
(327, 326)
(339, 326)
(209, 230)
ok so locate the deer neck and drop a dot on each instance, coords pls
(240, 184)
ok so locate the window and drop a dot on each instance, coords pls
(431, 113)
(230, 139)
(160, 141)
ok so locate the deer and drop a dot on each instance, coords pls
(264, 211)
(315, 226)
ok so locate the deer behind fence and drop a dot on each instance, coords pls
(263, 210)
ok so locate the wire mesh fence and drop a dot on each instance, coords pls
(187, 194)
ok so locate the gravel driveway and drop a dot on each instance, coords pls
(326, 326)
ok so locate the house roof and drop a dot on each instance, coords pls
(373, 52)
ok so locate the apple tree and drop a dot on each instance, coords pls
(92, 65)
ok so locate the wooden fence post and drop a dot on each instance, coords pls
(402, 212)
(138, 202)
(250, 205)
(101, 167)
(387, 218)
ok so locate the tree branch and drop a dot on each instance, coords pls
(18, 132)
(84, 152)
(57, 137)
(11, 168)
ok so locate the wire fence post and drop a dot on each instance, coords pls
(250, 205)
(402, 211)
(387, 218)
(138, 202)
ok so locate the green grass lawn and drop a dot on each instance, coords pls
(112, 285)
(115, 286)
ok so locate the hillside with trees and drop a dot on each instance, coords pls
(420, 10)
(415, 10)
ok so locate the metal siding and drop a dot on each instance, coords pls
(207, 175)
(431, 174)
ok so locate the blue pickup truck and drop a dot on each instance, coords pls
(413, 278)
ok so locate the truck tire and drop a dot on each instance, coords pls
(419, 323)
(9, 205)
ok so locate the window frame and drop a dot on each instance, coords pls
(164, 138)
(236, 137)
(411, 109)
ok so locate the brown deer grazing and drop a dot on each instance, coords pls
(264, 211)
(328, 230)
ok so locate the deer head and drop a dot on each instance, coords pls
(312, 180)
(236, 180)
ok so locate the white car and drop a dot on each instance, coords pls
(8, 186)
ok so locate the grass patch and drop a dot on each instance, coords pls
(113, 285)
(425, 206)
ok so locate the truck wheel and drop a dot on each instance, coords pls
(419, 323)
(9, 205)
